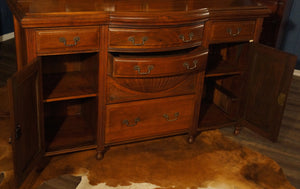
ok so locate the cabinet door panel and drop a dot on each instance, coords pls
(27, 127)
(270, 74)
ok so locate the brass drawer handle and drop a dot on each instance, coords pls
(176, 115)
(132, 40)
(64, 41)
(126, 122)
(191, 35)
(138, 69)
(195, 62)
(238, 31)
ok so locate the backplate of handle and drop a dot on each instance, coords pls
(191, 35)
(132, 40)
(238, 31)
(138, 69)
(126, 122)
(64, 41)
(187, 65)
(176, 115)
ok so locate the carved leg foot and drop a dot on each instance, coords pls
(191, 139)
(100, 155)
(237, 130)
(2, 176)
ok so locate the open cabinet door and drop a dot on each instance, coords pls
(268, 81)
(27, 126)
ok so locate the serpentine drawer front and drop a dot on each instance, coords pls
(158, 66)
(142, 77)
(155, 39)
(232, 31)
(149, 118)
(67, 40)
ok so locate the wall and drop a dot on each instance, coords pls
(291, 38)
(6, 21)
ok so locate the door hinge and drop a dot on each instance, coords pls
(281, 99)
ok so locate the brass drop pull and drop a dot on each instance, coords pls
(191, 35)
(138, 69)
(176, 115)
(195, 62)
(238, 31)
(64, 41)
(132, 40)
(281, 99)
(126, 122)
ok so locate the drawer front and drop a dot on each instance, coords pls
(67, 40)
(167, 65)
(232, 31)
(157, 39)
(124, 90)
(142, 119)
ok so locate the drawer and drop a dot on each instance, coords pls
(122, 66)
(154, 39)
(142, 119)
(132, 89)
(67, 40)
(232, 31)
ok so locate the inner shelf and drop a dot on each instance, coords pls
(67, 77)
(222, 69)
(70, 125)
(211, 117)
(65, 133)
(65, 86)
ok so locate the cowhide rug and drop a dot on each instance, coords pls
(6, 164)
(212, 162)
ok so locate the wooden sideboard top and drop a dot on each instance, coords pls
(48, 13)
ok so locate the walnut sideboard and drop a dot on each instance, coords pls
(97, 73)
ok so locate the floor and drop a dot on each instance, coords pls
(286, 152)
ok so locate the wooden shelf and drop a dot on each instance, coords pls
(67, 86)
(222, 69)
(226, 92)
(68, 133)
(212, 117)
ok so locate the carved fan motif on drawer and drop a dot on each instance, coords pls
(151, 85)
